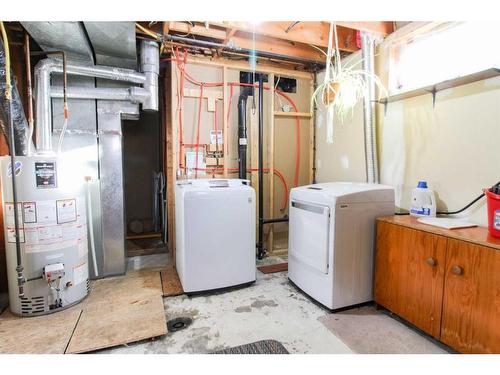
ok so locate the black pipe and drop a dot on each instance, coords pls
(15, 108)
(260, 246)
(275, 220)
(245, 92)
(231, 48)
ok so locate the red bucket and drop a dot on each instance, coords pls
(493, 203)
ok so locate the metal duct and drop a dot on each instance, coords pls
(368, 54)
(45, 68)
(114, 43)
(69, 37)
(150, 66)
(18, 117)
(133, 94)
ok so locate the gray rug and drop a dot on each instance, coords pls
(259, 347)
(369, 331)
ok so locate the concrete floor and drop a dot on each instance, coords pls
(269, 309)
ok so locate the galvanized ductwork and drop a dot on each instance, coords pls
(148, 95)
(368, 55)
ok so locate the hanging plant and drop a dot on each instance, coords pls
(344, 84)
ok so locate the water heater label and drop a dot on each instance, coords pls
(80, 273)
(29, 211)
(66, 211)
(45, 173)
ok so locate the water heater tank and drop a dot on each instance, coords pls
(52, 230)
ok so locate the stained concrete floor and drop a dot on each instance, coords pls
(271, 308)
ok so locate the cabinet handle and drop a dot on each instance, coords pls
(457, 270)
(431, 261)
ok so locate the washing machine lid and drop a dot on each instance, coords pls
(344, 192)
(208, 183)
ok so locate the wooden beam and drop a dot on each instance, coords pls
(211, 32)
(207, 94)
(308, 32)
(243, 65)
(170, 154)
(292, 114)
(382, 28)
(229, 34)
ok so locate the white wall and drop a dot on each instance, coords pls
(454, 146)
(344, 160)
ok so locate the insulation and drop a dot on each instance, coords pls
(18, 116)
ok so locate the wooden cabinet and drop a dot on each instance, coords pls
(410, 274)
(446, 283)
(471, 304)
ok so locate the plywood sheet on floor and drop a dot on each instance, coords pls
(131, 287)
(366, 330)
(118, 323)
(170, 282)
(47, 334)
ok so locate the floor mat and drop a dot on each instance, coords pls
(259, 347)
(272, 268)
(368, 331)
(170, 282)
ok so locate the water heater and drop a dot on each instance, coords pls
(52, 232)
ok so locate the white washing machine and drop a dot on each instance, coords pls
(331, 240)
(215, 233)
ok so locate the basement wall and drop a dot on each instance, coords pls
(284, 134)
(453, 146)
(344, 159)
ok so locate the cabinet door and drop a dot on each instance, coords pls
(471, 307)
(409, 274)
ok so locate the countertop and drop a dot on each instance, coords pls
(476, 235)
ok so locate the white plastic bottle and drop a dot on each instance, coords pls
(423, 201)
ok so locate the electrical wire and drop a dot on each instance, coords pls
(198, 130)
(31, 122)
(219, 84)
(465, 207)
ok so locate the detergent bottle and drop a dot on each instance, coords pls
(423, 201)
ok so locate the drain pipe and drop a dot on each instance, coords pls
(245, 92)
(368, 55)
(147, 95)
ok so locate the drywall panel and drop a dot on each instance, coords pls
(344, 159)
(453, 146)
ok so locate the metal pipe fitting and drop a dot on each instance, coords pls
(150, 67)
(147, 95)
(368, 54)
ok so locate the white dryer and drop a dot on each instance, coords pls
(331, 240)
(215, 233)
